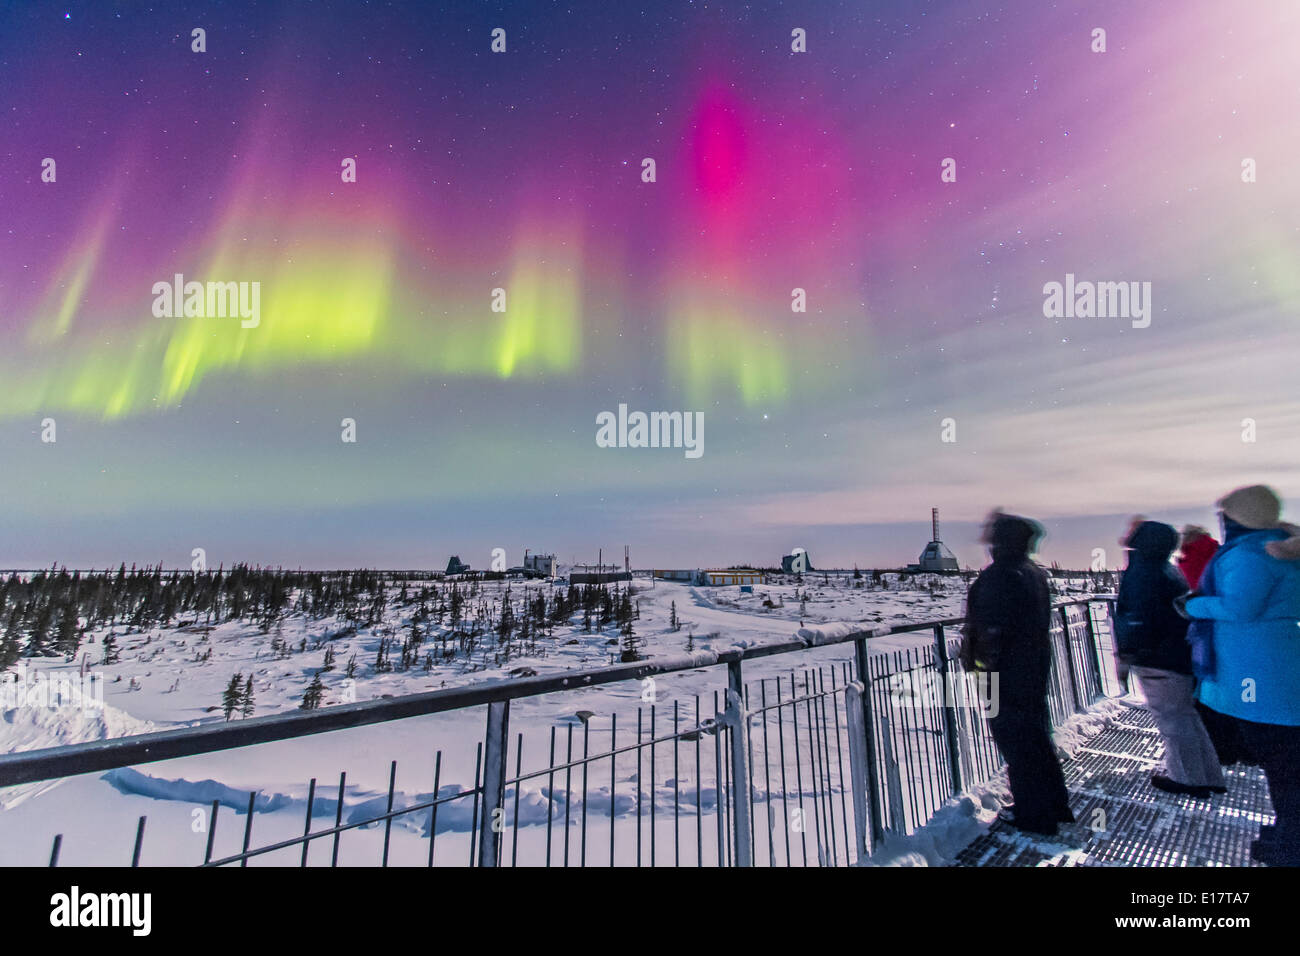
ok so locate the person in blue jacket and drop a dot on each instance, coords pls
(1151, 642)
(1249, 660)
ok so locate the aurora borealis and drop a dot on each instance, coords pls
(521, 171)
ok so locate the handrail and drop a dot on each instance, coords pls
(54, 762)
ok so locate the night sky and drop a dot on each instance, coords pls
(522, 170)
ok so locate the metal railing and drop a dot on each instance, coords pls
(814, 766)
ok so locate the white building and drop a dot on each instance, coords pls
(541, 565)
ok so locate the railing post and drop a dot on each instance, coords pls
(949, 711)
(857, 764)
(1079, 705)
(893, 780)
(1092, 648)
(739, 722)
(872, 775)
(1094, 642)
(494, 782)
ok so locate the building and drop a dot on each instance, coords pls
(798, 562)
(538, 565)
(686, 576)
(456, 566)
(598, 577)
(711, 578)
(732, 576)
(936, 556)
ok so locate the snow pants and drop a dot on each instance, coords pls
(1023, 732)
(1276, 747)
(1190, 757)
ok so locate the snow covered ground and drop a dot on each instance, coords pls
(174, 677)
(966, 815)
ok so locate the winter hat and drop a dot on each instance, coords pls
(1134, 523)
(1014, 535)
(986, 531)
(1256, 507)
(1154, 539)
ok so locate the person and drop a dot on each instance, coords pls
(1251, 600)
(1008, 615)
(1151, 641)
(1195, 548)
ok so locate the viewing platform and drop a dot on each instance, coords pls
(1121, 820)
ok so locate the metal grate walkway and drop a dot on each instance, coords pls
(1123, 821)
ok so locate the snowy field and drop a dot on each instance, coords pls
(175, 677)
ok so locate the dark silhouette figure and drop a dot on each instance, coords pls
(1008, 615)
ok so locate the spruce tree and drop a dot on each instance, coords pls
(38, 636)
(311, 699)
(631, 643)
(506, 624)
(13, 635)
(66, 638)
(9, 648)
(232, 696)
(246, 699)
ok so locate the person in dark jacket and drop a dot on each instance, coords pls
(1195, 550)
(1008, 615)
(1151, 640)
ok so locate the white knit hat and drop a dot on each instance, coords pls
(1254, 506)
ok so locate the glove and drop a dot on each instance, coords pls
(966, 652)
(1180, 604)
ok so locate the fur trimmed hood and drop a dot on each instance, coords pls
(1288, 549)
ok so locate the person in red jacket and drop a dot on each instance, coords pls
(1195, 551)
